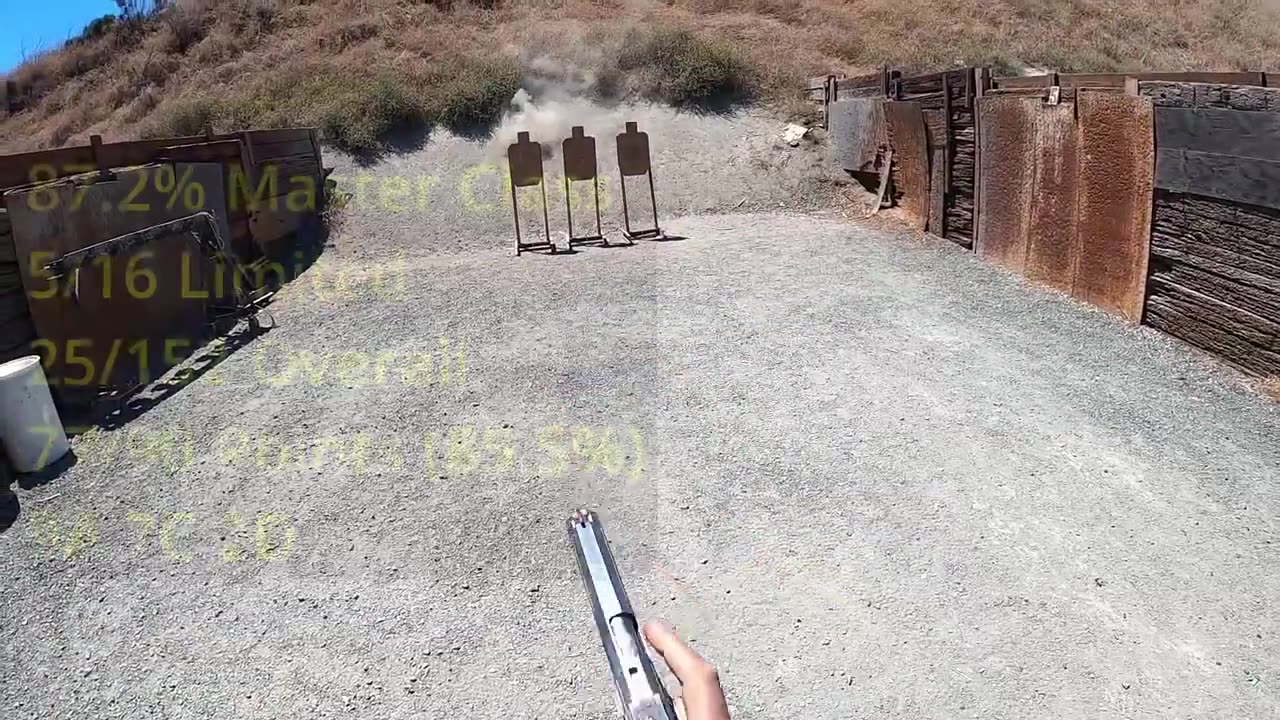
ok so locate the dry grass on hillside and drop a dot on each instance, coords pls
(360, 69)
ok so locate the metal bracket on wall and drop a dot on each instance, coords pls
(202, 228)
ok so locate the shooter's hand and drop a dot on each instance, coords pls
(699, 682)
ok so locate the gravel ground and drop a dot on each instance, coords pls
(867, 474)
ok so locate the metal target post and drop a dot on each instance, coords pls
(633, 160)
(580, 164)
(524, 160)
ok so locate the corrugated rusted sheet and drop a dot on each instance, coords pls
(857, 133)
(1007, 136)
(118, 323)
(910, 158)
(1052, 243)
(1066, 194)
(1116, 162)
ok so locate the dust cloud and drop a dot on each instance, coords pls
(555, 97)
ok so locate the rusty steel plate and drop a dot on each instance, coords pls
(1007, 138)
(1116, 161)
(524, 157)
(910, 157)
(1052, 237)
(857, 130)
(633, 151)
(579, 155)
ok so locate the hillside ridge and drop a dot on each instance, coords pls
(362, 70)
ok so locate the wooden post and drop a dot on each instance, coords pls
(946, 140)
(95, 143)
(983, 84)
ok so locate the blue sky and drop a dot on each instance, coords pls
(28, 26)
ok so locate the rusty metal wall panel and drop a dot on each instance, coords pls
(115, 324)
(1007, 136)
(1115, 165)
(1052, 240)
(905, 122)
(857, 131)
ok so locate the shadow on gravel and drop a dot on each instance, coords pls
(399, 142)
(116, 413)
(475, 131)
(10, 509)
(11, 506)
(51, 472)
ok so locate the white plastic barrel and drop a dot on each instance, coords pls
(29, 425)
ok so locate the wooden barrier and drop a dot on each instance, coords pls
(1170, 216)
(951, 95)
(16, 331)
(119, 323)
(260, 187)
(1215, 245)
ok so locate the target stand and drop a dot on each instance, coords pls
(580, 164)
(633, 161)
(524, 160)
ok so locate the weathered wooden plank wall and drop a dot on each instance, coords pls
(46, 165)
(873, 85)
(951, 92)
(292, 158)
(294, 153)
(1215, 256)
(1117, 81)
(16, 330)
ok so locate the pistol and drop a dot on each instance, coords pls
(640, 693)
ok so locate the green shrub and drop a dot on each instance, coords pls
(95, 29)
(183, 117)
(357, 111)
(364, 114)
(472, 93)
(678, 67)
